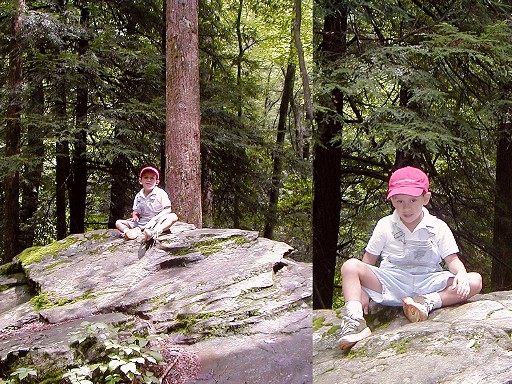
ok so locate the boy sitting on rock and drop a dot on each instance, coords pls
(151, 212)
(411, 244)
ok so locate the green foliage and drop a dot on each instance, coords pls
(20, 374)
(425, 92)
(123, 72)
(121, 358)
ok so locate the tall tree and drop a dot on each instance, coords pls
(13, 138)
(302, 145)
(278, 152)
(327, 160)
(183, 149)
(78, 181)
(501, 272)
(33, 170)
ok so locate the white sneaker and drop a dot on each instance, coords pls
(132, 233)
(352, 331)
(417, 308)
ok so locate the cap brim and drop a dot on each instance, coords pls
(411, 191)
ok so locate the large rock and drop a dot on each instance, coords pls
(240, 301)
(464, 344)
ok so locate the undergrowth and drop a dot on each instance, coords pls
(119, 357)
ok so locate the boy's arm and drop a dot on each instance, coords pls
(368, 258)
(460, 281)
(165, 211)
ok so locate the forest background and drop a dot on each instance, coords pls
(424, 83)
(90, 97)
(395, 83)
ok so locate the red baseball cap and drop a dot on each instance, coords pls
(408, 181)
(150, 169)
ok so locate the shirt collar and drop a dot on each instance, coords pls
(141, 192)
(426, 222)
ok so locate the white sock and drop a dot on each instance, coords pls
(354, 309)
(435, 299)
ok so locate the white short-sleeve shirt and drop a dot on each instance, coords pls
(151, 205)
(420, 251)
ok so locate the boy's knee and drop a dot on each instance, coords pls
(476, 280)
(350, 265)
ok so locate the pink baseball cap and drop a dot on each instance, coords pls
(149, 169)
(408, 181)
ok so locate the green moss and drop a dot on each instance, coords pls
(240, 240)
(187, 321)
(332, 330)
(49, 300)
(10, 268)
(318, 322)
(401, 346)
(358, 353)
(97, 236)
(52, 266)
(209, 246)
(36, 254)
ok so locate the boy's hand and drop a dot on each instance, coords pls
(461, 284)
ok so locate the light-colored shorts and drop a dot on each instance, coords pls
(397, 284)
(133, 224)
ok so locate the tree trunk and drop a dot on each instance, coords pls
(501, 274)
(303, 131)
(13, 140)
(302, 63)
(278, 152)
(78, 185)
(62, 164)
(327, 169)
(121, 200)
(34, 151)
(183, 149)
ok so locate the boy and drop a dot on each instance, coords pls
(151, 209)
(411, 244)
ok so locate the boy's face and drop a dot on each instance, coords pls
(410, 208)
(149, 180)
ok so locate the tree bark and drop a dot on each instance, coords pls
(13, 140)
(33, 170)
(183, 148)
(62, 164)
(278, 149)
(121, 200)
(327, 168)
(302, 63)
(78, 184)
(501, 274)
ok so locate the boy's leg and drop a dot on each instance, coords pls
(449, 295)
(121, 225)
(159, 224)
(128, 229)
(418, 308)
(355, 275)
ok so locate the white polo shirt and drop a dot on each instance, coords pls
(151, 205)
(417, 252)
